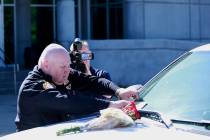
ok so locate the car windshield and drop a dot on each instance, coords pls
(182, 90)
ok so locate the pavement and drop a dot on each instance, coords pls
(7, 113)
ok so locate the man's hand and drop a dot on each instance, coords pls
(130, 93)
(119, 104)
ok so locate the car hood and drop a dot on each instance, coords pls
(144, 130)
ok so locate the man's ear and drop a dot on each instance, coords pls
(46, 65)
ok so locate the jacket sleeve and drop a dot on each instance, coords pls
(100, 73)
(104, 74)
(53, 101)
(82, 81)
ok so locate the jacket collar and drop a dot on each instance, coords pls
(40, 73)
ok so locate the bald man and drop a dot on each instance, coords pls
(48, 94)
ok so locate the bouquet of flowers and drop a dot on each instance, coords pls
(109, 118)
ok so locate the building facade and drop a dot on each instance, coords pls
(146, 28)
(29, 25)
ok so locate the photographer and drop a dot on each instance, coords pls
(81, 55)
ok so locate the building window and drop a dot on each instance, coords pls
(41, 26)
(76, 18)
(42, 29)
(41, 1)
(8, 1)
(42, 22)
(99, 19)
(8, 31)
(106, 19)
(9, 34)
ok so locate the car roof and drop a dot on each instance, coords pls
(205, 47)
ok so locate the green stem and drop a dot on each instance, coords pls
(64, 131)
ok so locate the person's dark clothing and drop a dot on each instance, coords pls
(41, 102)
(97, 94)
(100, 73)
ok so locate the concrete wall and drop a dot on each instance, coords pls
(167, 19)
(136, 61)
(164, 20)
(65, 21)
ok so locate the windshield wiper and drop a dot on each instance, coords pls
(203, 123)
(154, 115)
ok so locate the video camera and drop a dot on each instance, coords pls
(77, 58)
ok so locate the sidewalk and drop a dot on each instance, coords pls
(7, 114)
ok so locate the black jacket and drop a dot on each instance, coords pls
(98, 94)
(41, 102)
(100, 73)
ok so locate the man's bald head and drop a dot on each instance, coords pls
(55, 61)
(51, 51)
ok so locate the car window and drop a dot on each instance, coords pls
(183, 91)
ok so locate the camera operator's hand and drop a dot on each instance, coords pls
(119, 104)
(128, 94)
(87, 65)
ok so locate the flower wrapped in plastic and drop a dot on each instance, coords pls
(109, 118)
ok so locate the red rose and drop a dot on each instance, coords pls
(131, 111)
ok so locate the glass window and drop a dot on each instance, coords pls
(41, 1)
(115, 20)
(76, 18)
(106, 20)
(98, 19)
(8, 1)
(9, 34)
(42, 29)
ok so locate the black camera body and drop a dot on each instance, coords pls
(77, 58)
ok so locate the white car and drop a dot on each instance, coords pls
(181, 92)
